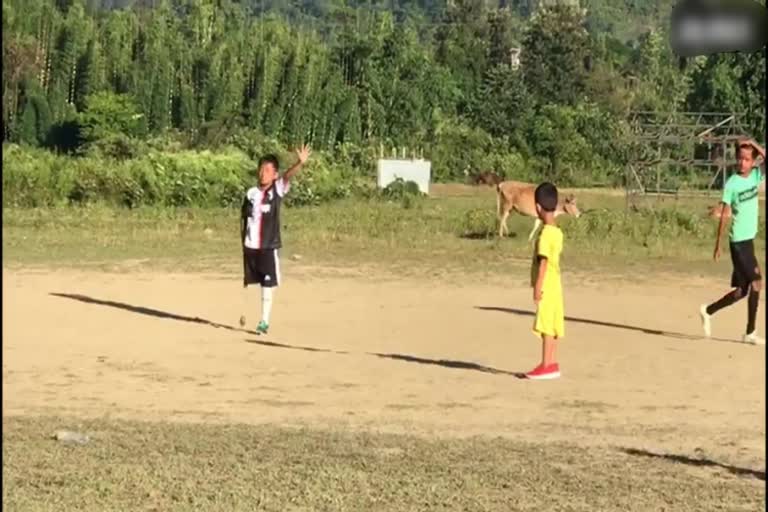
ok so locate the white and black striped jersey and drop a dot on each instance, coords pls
(261, 212)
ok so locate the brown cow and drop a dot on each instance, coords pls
(518, 196)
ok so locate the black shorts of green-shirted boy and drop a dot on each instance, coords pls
(740, 195)
(260, 231)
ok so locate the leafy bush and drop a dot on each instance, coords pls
(401, 188)
(407, 193)
(107, 114)
(115, 147)
(479, 223)
(511, 166)
(34, 177)
(116, 175)
(457, 150)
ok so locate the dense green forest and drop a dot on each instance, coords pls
(117, 79)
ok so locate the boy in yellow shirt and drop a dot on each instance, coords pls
(545, 280)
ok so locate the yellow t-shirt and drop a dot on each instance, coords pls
(550, 316)
(549, 245)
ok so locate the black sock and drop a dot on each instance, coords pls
(752, 302)
(724, 302)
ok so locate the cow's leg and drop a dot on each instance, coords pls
(503, 228)
(536, 225)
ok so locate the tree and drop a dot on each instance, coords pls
(555, 137)
(733, 82)
(555, 47)
(340, 72)
(107, 114)
(661, 85)
(35, 115)
(19, 65)
(462, 45)
(502, 104)
(502, 36)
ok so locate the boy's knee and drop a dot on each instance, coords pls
(757, 285)
(738, 293)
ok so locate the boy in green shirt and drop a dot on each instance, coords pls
(740, 195)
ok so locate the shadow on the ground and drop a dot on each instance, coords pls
(274, 344)
(644, 330)
(683, 459)
(463, 365)
(460, 365)
(477, 236)
(485, 235)
(149, 311)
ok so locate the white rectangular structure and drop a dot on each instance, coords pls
(418, 171)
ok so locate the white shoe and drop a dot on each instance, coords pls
(753, 339)
(705, 320)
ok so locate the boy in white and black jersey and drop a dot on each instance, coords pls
(260, 230)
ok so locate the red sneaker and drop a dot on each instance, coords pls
(542, 372)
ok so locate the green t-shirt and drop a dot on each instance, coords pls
(741, 195)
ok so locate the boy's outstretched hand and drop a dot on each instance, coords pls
(303, 153)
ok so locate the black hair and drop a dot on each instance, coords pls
(747, 145)
(269, 159)
(546, 196)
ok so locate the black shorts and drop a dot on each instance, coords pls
(262, 267)
(745, 269)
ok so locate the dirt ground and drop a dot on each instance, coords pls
(428, 357)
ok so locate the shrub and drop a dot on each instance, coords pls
(115, 174)
(34, 177)
(115, 147)
(479, 223)
(457, 150)
(107, 114)
(406, 193)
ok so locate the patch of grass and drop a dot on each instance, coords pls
(446, 234)
(180, 467)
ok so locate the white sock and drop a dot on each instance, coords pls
(266, 304)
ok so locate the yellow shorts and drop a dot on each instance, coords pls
(550, 319)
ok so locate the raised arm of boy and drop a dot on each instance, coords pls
(760, 151)
(302, 154)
